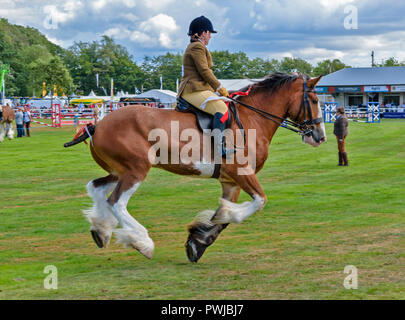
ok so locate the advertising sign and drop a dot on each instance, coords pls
(321, 89)
(376, 88)
(397, 88)
(348, 89)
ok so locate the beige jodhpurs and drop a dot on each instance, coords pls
(197, 99)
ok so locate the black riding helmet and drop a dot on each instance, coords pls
(199, 25)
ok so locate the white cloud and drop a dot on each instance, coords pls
(118, 33)
(162, 28)
(130, 17)
(99, 5)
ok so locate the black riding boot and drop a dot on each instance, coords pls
(340, 159)
(1, 115)
(219, 148)
(345, 160)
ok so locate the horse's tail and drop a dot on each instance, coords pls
(84, 133)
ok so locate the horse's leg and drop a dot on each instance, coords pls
(229, 212)
(100, 217)
(2, 132)
(132, 233)
(9, 131)
(203, 232)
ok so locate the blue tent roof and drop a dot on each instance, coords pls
(365, 77)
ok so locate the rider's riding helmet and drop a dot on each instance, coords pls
(199, 25)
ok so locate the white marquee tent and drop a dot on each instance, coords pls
(167, 97)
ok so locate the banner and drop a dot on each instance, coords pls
(112, 89)
(397, 88)
(321, 89)
(348, 89)
(376, 88)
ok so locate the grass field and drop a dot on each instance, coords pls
(319, 219)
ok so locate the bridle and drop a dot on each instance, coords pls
(304, 128)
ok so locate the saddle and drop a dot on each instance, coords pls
(204, 119)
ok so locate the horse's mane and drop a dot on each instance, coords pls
(274, 81)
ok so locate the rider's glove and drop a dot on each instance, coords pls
(223, 92)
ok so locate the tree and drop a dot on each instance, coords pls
(328, 66)
(167, 66)
(289, 65)
(106, 58)
(391, 62)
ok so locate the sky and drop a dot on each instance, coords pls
(313, 30)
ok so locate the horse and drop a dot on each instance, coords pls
(121, 144)
(6, 123)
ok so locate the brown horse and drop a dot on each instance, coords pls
(6, 128)
(124, 144)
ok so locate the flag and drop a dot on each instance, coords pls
(55, 93)
(97, 79)
(136, 90)
(43, 89)
(112, 89)
(177, 85)
(161, 83)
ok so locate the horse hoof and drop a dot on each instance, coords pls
(194, 249)
(97, 239)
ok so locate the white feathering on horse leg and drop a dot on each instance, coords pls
(99, 215)
(202, 219)
(143, 243)
(2, 132)
(10, 133)
(132, 234)
(229, 212)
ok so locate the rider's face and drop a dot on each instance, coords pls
(205, 37)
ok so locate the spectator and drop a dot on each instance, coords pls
(76, 121)
(27, 121)
(81, 107)
(340, 131)
(19, 122)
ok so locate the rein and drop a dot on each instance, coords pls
(304, 128)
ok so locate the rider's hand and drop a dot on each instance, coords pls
(223, 92)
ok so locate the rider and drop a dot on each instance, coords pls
(199, 82)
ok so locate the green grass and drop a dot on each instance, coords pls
(318, 219)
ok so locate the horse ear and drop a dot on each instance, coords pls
(312, 83)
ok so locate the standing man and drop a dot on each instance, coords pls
(19, 122)
(340, 131)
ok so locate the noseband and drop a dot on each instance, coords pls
(304, 128)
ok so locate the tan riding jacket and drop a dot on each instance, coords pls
(198, 76)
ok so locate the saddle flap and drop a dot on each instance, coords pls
(204, 120)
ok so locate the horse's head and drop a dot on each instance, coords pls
(304, 109)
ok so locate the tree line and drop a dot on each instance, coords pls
(35, 61)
